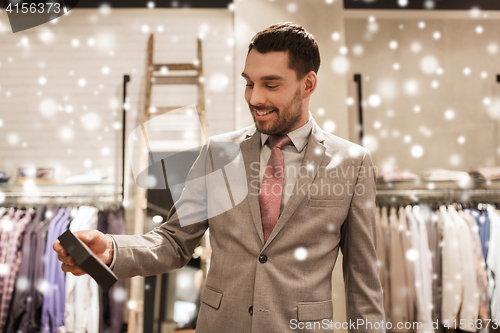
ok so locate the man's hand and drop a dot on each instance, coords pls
(99, 243)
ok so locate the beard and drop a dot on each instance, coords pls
(287, 117)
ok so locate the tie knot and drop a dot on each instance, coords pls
(279, 141)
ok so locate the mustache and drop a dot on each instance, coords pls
(263, 107)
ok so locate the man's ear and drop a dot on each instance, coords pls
(309, 82)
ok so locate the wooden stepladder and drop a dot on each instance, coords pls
(163, 74)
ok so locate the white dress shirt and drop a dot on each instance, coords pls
(82, 292)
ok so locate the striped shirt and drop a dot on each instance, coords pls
(12, 255)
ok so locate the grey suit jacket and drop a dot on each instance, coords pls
(283, 285)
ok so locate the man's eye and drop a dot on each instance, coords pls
(249, 85)
(271, 87)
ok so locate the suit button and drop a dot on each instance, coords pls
(250, 310)
(262, 258)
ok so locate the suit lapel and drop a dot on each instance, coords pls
(250, 149)
(315, 151)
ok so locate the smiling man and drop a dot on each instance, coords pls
(273, 254)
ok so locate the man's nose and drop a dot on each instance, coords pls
(257, 97)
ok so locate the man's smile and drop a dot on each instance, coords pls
(263, 114)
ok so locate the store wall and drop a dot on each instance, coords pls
(443, 97)
(61, 83)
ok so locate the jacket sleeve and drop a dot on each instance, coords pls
(364, 295)
(170, 245)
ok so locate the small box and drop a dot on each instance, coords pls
(87, 260)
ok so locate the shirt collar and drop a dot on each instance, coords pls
(299, 137)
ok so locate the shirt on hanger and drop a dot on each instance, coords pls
(11, 258)
(82, 292)
(480, 265)
(470, 302)
(53, 304)
(493, 261)
(451, 269)
(483, 223)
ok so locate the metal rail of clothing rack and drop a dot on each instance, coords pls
(103, 200)
(439, 196)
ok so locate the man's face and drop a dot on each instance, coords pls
(273, 92)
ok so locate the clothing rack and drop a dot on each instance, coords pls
(100, 200)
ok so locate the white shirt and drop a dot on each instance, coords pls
(82, 292)
(493, 262)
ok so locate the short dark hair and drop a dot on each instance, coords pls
(292, 38)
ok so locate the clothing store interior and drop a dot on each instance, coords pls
(92, 99)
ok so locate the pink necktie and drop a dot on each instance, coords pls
(271, 188)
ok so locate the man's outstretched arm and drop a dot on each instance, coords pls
(161, 250)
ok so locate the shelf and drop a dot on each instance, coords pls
(60, 194)
(14, 185)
